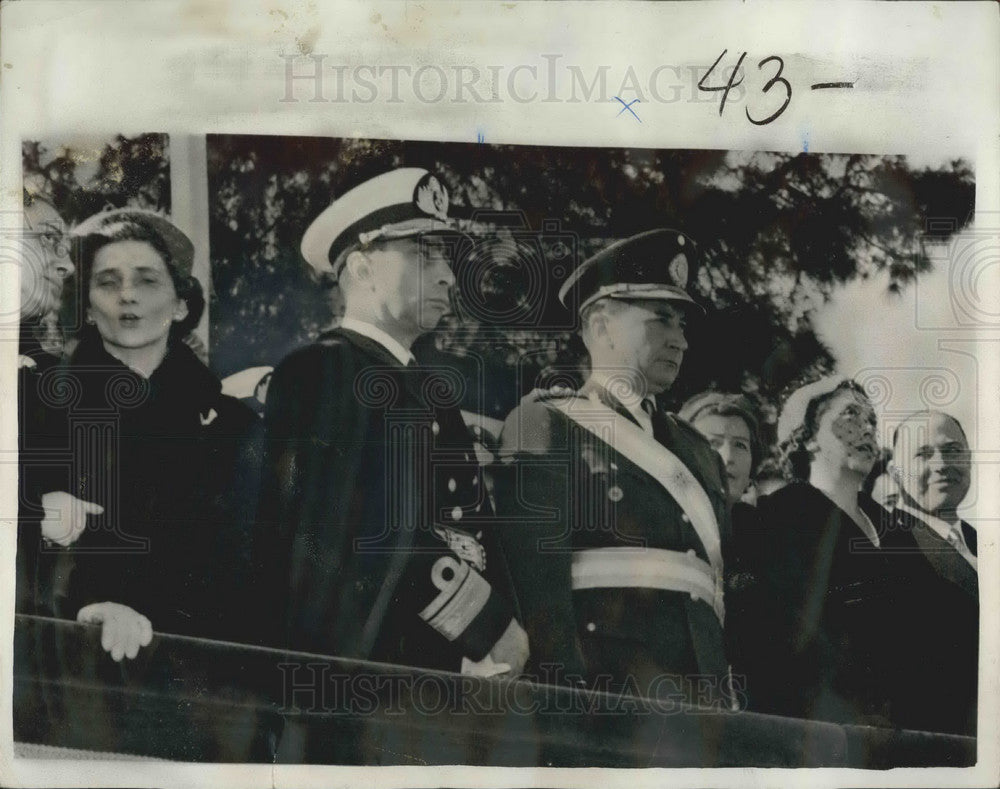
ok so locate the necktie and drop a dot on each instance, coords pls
(658, 418)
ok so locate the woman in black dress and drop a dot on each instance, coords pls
(819, 633)
(731, 424)
(156, 442)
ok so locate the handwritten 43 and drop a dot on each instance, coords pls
(776, 88)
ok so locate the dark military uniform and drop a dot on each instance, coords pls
(382, 521)
(615, 535)
(612, 578)
(374, 519)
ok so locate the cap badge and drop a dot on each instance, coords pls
(678, 270)
(431, 197)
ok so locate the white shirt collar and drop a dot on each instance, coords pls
(373, 332)
(942, 528)
(618, 387)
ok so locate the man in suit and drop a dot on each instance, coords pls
(938, 680)
(49, 518)
(374, 517)
(615, 511)
(46, 519)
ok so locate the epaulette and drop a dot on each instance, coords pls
(552, 395)
(330, 338)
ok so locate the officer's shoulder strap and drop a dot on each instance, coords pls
(559, 395)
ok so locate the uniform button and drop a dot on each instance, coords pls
(435, 428)
(452, 485)
(591, 627)
(479, 507)
(615, 493)
(456, 514)
(614, 467)
(475, 480)
(685, 518)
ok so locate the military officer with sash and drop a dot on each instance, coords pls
(615, 511)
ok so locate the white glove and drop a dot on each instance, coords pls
(508, 655)
(484, 668)
(123, 630)
(66, 516)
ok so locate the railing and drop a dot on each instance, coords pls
(200, 700)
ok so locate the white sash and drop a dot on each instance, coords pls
(648, 568)
(660, 463)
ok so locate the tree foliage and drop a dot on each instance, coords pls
(84, 179)
(777, 234)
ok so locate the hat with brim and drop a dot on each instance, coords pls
(793, 412)
(730, 404)
(651, 265)
(123, 224)
(409, 202)
(245, 382)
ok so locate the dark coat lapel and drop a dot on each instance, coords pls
(969, 532)
(945, 560)
(412, 378)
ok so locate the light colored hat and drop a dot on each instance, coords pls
(732, 404)
(793, 413)
(120, 223)
(402, 203)
(245, 382)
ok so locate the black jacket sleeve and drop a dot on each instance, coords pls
(345, 563)
(533, 493)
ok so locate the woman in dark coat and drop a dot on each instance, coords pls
(156, 442)
(731, 424)
(832, 581)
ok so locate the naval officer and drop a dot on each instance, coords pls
(375, 520)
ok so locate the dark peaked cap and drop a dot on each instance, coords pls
(650, 265)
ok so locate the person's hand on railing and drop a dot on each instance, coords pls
(510, 650)
(484, 668)
(123, 630)
(65, 516)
